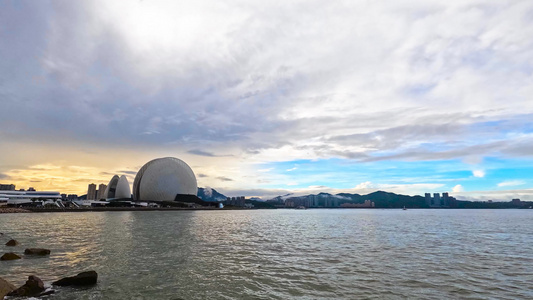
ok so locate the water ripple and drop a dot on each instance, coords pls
(282, 254)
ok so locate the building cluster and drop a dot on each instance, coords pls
(161, 179)
(94, 194)
(366, 204)
(438, 201)
(7, 187)
(11, 187)
(9, 195)
(311, 201)
(236, 201)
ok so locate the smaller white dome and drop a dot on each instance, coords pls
(118, 188)
(123, 188)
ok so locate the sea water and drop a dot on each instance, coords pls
(279, 254)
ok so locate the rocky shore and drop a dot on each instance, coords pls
(34, 286)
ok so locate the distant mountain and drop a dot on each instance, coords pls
(380, 198)
(210, 195)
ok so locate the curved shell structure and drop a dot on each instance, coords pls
(162, 179)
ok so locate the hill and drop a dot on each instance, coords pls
(210, 195)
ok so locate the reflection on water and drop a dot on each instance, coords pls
(280, 254)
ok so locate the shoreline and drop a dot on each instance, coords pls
(8, 210)
(14, 210)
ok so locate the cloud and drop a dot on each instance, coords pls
(200, 175)
(267, 82)
(208, 191)
(291, 169)
(4, 176)
(204, 153)
(127, 172)
(364, 185)
(478, 173)
(458, 189)
(511, 183)
(201, 153)
(223, 178)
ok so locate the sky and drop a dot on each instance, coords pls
(266, 98)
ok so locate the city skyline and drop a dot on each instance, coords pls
(265, 99)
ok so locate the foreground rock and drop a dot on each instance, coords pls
(84, 278)
(5, 287)
(12, 243)
(37, 251)
(10, 256)
(34, 286)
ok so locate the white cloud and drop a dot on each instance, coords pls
(291, 169)
(511, 183)
(364, 185)
(478, 173)
(271, 80)
(458, 189)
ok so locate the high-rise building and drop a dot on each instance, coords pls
(428, 199)
(445, 199)
(91, 192)
(101, 191)
(436, 199)
(7, 187)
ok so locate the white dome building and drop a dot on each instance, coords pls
(162, 179)
(118, 188)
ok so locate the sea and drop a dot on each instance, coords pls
(279, 254)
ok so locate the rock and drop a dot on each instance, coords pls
(12, 243)
(34, 286)
(5, 287)
(46, 293)
(84, 278)
(10, 256)
(36, 251)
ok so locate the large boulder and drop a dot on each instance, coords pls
(5, 287)
(36, 251)
(84, 278)
(10, 256)
(12, 243)
(34, 286)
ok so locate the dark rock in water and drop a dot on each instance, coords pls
(10, 256)
(12, 243)
(34, 286)
(84, 278)
(36, 251)
(5, 287)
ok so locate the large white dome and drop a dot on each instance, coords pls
(162, 179)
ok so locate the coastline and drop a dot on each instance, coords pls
(47, 210)
(12, 210)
